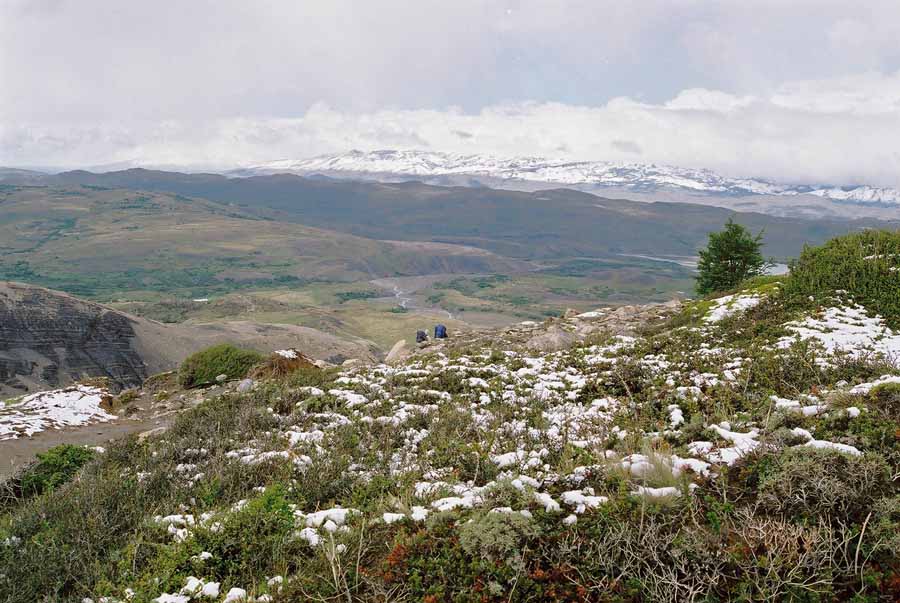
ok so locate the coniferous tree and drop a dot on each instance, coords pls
(731, 256)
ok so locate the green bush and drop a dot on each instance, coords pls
(71, 534)
(865, 264)
(225, 359)
(52, 469)
(886, 526)
(254, 542)
(345, 296)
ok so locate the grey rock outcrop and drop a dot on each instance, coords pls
(399, 352)
(553, 339)
(50, 339)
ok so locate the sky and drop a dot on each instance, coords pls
(788, 90)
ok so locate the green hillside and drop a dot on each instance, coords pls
(98, 243)
(744, 447)
(545, 224)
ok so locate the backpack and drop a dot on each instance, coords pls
(440, 332)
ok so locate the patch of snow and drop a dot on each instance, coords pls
(729, 305)
(657, 492)
(544, 499)
(846, 448)
(56, 409)
(310, 535)
(676, 417)
(845, 329)
(865, 388)
(234, 595)
(583, 499)
(743, 443)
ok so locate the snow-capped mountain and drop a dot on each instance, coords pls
(634, 176)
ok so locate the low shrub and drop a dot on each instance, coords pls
(865, 264)
(254, 542)
(52, 469)
(225, 359)
(279, 366)
(805, 483)
(497, 536)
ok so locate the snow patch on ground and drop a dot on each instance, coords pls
(56, 409)
(729, 305)
(846, 329)
(865, 388)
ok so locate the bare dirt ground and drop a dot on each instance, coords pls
(153, 407)
(16, 454)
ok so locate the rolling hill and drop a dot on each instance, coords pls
(558, 223)
(93, 242)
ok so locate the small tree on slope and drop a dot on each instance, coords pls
(730, 257)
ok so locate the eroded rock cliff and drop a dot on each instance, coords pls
(50, 338)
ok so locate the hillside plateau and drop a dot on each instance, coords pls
(745, 446)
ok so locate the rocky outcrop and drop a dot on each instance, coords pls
(399, 352)
(556, 334)
(50, 339)
(555, 338)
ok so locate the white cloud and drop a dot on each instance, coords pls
(841, 131)
(863, 94)
(800, 90)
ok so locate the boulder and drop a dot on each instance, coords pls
(150, 433)
(552, 340)
(398, 353)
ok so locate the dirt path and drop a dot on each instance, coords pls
(15, 454)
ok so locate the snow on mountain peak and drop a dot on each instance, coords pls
(636, 176)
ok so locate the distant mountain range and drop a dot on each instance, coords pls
(630, 176)
(633, 181)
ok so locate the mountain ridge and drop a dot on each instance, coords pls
(633, 175)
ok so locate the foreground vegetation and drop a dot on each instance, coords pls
(732, 453)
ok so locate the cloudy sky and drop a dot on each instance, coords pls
(792, 90)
